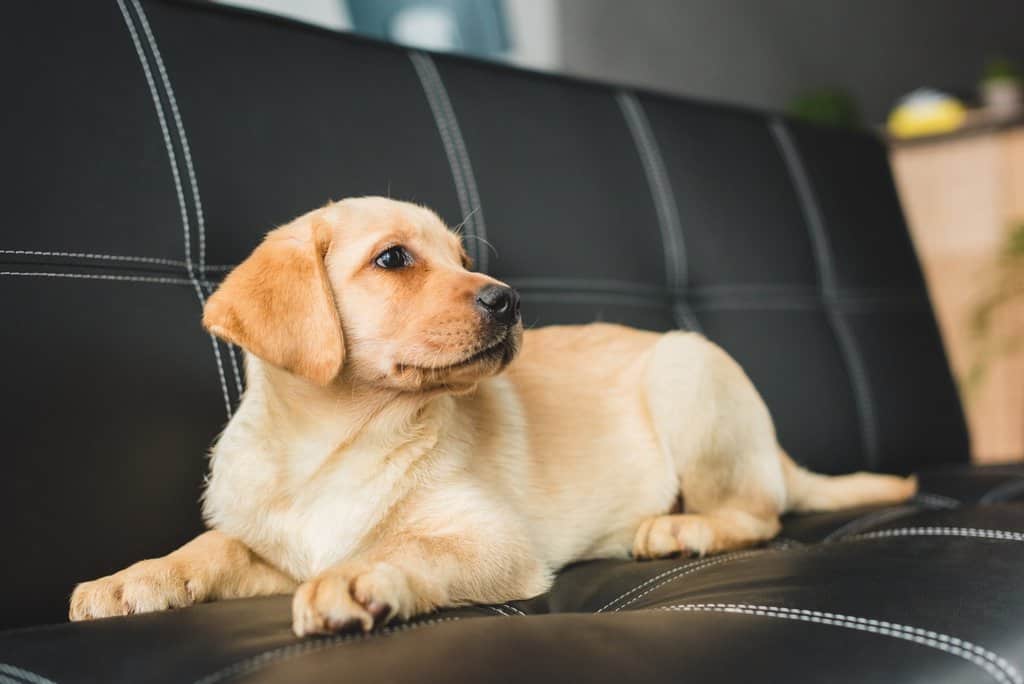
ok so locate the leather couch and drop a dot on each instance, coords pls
(148, 147)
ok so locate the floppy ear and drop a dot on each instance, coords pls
(278, 304)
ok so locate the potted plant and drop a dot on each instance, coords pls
(1001, 88)
(1004, 289)
(826, 106)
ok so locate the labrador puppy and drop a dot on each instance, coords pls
(403, 445)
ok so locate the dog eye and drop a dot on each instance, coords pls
(393, 257)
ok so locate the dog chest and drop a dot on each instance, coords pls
(304, 514)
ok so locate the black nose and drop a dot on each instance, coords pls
(499, 302)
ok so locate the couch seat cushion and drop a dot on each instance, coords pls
(927, 591)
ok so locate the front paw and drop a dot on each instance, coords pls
(351, 596)
(145, 587)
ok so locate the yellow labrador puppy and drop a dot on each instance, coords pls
(403, 445)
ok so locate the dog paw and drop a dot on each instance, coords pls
(668, 535)
(145, 587)
(351, 597)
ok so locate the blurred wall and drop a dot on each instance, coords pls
(761, 53)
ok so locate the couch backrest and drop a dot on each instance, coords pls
(147, 150)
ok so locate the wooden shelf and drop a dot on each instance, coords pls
(961, 195)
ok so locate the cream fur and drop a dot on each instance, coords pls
(380, 477)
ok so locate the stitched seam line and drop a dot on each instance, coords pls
(827, 281)
(786, 545)
(235, 369)
(970, 532)
(305, 647)
(973, 532)
(599, 298)
(996, 666)
(25, 675)
(589, 284)
(421, 63)
(657, 183)
(172, 159)
(101, 257)
(455, 150)
(164, 130)
(182, 138)
(673, 575)
(664, 203)
(715, 298)
(644, 584)
(477, 217)
(1002, 492)
(231, 353)
(100, 276)
(589, 290)
(867, 520)
(753, 291)
(938, 500)
(196, 199)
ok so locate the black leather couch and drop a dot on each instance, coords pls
(146, 150)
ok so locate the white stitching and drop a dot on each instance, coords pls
(231, 353)
(939, 500)
(455, 150)
(686, 570)
(640, 586)
(103, 257)
(165, 131)
(972, 532)
(307, 646)
(998, 667)
(234, 368)
(182, 138)
(26, 675)
(664, 203)
(100, 276)
(827, 280)
(172, 158)
(196, 200)
(133, 279)
(1002, 535)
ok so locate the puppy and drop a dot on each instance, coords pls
(404, 446)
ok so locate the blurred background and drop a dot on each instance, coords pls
(941, 81)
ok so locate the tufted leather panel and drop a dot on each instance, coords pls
(149, 152)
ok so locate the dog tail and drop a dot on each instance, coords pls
(808, 492)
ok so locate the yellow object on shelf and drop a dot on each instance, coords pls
(926, 112)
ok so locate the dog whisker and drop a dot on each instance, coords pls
(486, 242)
(458, 229)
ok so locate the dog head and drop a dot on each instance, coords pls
(372, 291)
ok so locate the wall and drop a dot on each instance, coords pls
(762, 53)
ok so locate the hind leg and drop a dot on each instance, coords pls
(720, 436)
(700, 534)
